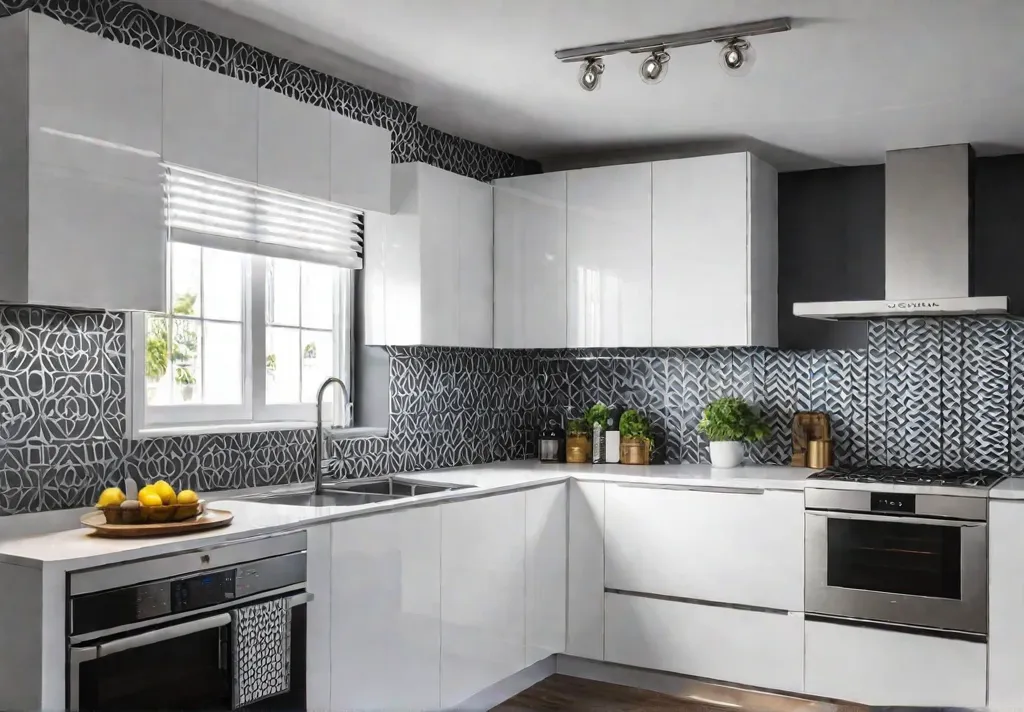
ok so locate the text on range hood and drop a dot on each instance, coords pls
(928, 241)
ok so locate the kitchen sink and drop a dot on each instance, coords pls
(351, 493)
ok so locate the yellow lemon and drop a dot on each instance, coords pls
(149, 499)
(187, 497)
(165, 491)
(110, 497)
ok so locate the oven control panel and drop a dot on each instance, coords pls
(899, 502)
(189, 594)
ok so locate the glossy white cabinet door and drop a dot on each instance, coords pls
(95, 104)
(728, 644)
(385, 611)
(482, 583)
(294, 145)
(585, 586)
(360, 164)
(745, 549)
(96, 241)
(1005, 609)
(476, 264)
(210, 121)
(318, 617)
(609, 256)
(700, 253)
(529, 262)
(439, 221)
(887, 668)
(546, 540)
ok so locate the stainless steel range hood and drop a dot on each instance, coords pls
(928, 241)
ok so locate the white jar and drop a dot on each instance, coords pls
(726, 453)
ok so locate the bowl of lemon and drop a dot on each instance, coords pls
(153, 504)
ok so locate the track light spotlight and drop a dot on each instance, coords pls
(737, 57)
(590, 73)
(654, 67)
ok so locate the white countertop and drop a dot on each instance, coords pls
(1010, 488)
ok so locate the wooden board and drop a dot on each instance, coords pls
(209, 519)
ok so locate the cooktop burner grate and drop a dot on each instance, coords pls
(910, 476)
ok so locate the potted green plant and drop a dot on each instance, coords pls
(729, 422)
(184, 378)
(635, 441)
(597, 420)
(577, 441)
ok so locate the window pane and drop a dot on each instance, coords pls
(283, 365)
(185, 278)
(317, 364)
(186, 364)
(318, 296)
(283, 292)
(158, 383)
(222, 285)
(222, 363)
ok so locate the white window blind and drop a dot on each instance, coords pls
(226, 214)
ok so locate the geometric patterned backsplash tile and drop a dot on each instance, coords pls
(942, 393)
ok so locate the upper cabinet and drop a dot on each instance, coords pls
(210, 121)
(294, 145)
(529, 262)
(360, 164)
(608, 256)
(82, 202)
(432, 260)
(714, 252)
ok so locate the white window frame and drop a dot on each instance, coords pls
(252, 413)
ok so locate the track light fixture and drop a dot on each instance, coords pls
(736, 56)
(654, 67)
(590, 74)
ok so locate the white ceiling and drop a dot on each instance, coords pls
(853, 79)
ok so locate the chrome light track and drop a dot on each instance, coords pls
(682, 39)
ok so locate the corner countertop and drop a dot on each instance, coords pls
(55, 539)
(1010, 488)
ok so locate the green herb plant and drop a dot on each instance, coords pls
(732, 419)
(633, 426)
(577, 426)
(597, 414)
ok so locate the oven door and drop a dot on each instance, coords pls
(178, 666)
(913, 571)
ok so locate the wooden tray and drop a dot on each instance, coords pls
(209, 519)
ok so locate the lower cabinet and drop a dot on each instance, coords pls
(585, 587)
(386, 611)
(741, 646)
(883, 667)
(546, 543)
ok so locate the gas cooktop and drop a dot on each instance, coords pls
(910, 476)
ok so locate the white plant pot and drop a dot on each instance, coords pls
(727, 453)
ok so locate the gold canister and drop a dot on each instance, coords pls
(634, 451)
(577, 449)
(819, 454)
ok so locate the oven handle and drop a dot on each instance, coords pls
(883, 518)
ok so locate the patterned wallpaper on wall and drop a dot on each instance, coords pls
(132, 24)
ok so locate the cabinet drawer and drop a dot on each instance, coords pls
(884, 667)
(728, 644)
(743, 548)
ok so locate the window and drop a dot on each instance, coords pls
(259, 308)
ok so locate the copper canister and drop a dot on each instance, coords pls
(634, 451)
(819, 454)
(577, 449)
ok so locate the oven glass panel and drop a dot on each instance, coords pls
(894, 557)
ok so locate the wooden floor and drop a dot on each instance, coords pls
(561, 693)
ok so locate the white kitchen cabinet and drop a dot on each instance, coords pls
(386, 611)
(608, 256)
(483, 624)
(1006, 605)
(435, 263)
(360, 164)
(888, 668)
(585, 579)
(732, 645)
(210, 121)
(294, 152)
(529, 262)
(546, 540)
(82, 209)
(738, 546)
(714, 252)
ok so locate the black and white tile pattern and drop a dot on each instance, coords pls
(140, 27)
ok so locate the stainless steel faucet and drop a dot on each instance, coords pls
(318, 444)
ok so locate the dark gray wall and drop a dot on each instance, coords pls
(832, 243)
